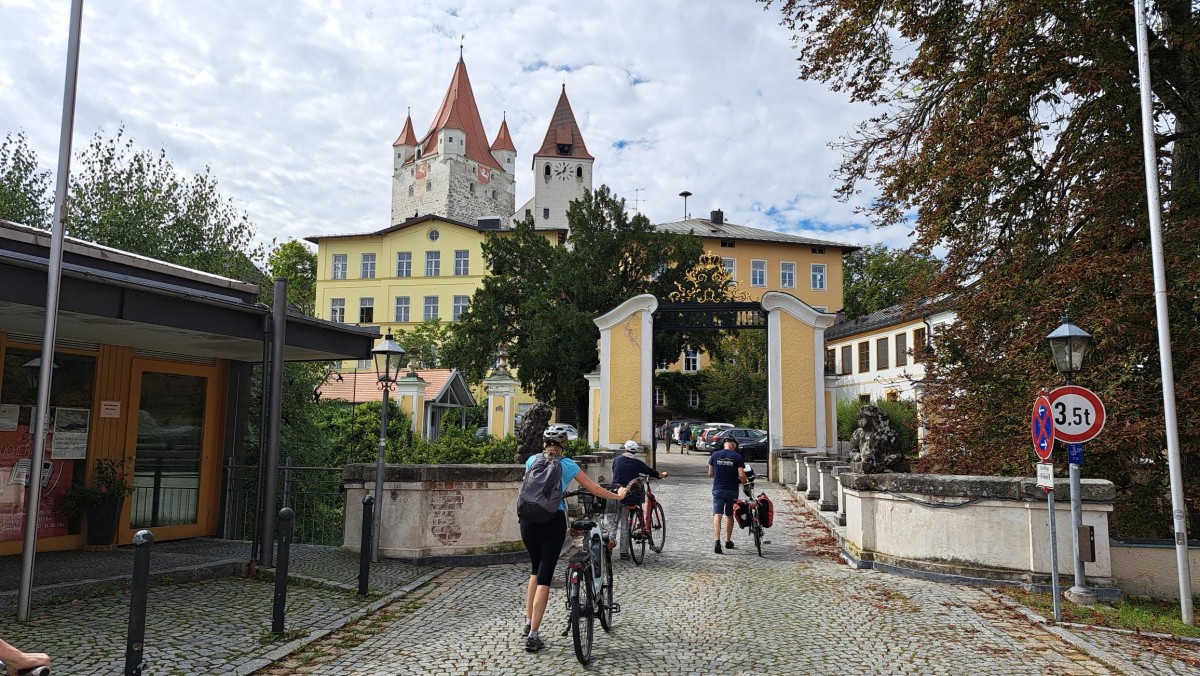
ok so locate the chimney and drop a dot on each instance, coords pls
(717, 217)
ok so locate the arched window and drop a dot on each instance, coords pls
(579, 172)
(410, 191)
(547, 172)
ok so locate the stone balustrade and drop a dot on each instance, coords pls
(828, 490)
(812, 476)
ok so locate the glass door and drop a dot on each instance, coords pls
(169, 448)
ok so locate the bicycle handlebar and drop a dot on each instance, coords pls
(36, 671)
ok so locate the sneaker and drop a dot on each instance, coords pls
(525, 631)
(624, 557)
(717, 547)
(729, 544)
(534, 644)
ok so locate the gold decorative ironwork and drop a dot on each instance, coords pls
(708, 282)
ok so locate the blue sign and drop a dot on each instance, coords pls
(1042, 428)
(1075, 454)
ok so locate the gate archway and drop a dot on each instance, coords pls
(799, 409)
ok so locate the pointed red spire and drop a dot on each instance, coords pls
(564, 132)
(407, 137)
(503, 139)
(459, 111)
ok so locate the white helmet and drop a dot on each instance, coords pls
(631, 446)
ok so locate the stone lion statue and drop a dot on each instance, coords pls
(874, 445)
(529, 435)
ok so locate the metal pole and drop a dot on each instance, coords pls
(1053, 553)
(264, 400)
(139, 590)
(364, 548)
(1166, 365)
(33, 493)
(1079, 592)
(279, 324)
(286, 515)
(379, 476)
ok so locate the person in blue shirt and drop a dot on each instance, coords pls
(728, 471)
(544, 541)
(625, 468)
(685, 437)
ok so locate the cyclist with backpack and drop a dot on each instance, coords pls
(543, 516)
(625, 468)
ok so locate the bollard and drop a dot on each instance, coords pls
(286, 515)
(364, 547)
(136, 633)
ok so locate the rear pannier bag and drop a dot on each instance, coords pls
(766, 510)
(741, 512)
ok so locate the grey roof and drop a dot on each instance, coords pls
(706, 228)
(888, 316)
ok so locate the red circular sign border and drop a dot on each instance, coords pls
(1096, 404)
(1053, 429)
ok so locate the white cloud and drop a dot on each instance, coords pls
(295, 105)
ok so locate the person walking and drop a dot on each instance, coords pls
(666, 434)
(728, 472)
(685, 437)
(544, 541)
(625, 468)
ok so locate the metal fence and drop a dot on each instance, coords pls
(315, 494)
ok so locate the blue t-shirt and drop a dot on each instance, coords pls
(725, 464)
(569, 469)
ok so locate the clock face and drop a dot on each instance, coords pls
(561, 170)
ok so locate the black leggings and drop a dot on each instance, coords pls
(544, 543)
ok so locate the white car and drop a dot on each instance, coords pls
(572, 433)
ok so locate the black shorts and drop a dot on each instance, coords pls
(544, 543)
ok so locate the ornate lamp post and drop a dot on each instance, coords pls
(388, 358)
(1068, 345)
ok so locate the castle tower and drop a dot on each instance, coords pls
(451, 171)
(562, 169)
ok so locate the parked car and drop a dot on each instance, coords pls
(704, 440)
(572, 433)
(752, 443)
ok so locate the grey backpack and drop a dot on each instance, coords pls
(541, 490)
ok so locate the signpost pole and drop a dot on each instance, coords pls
(1053, 553)
(1079, 592)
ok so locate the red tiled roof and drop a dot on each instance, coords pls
(407, 137)
(564, 130)
(459, 111)
(359, 387)
(503, 140)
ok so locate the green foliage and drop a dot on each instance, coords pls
(294, 261)
(458, 446)
(25, 191)
(903, 417)
(734, 386)
(352, 432)
(109, 480)
(424, 342)
(675, 387)
(542, 298)
(847, 417)
(876, 277)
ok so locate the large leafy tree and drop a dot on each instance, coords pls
(877, 277)
(542, 298)
(24, 188)
(296, 263)
(1011, 132)
(423, 343)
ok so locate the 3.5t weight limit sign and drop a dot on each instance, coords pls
(1078, 413)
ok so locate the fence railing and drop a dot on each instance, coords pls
(314, 493)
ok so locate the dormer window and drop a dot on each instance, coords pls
(564, 149)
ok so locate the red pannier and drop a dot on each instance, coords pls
(741, 513)
(766, 510)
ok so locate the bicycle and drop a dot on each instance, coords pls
(648, 525)
(755, 525)
(589, 580)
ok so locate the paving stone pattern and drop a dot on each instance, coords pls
(690, 611)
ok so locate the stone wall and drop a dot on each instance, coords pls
(1148, 568)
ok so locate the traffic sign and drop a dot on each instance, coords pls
(1078, 414)
(1042, 427)
(1075, 454)
(1045, 475)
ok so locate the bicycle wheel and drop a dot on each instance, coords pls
(756, 530)
(582, 618)
(658, 528)
(606, 592)
(637, 537)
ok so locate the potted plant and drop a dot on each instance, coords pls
(100, 501)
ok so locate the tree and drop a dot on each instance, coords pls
(735, 383)
(424, 343)
(1012, 132)
(877, 277)
(541, 300)
(25, 192)
(294, 261)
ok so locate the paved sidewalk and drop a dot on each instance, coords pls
(690, 611)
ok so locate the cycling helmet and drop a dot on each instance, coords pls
(555, 435)
(631, 446)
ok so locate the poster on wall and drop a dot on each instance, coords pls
(9, 414)
(70, 434)
(16, 451)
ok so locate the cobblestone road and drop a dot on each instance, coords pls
(797, 610)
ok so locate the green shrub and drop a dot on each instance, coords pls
(903, 416)
(847, 417)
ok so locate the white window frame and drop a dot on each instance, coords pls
(433, 263)
(787, 275)
(404, 264)
(817, 276)
(403, 303)
(462, 262)
(337, 310)
(694, 398)
(691, 360)
(659, 398)
(730, 265)
(367, 266)
(340, 266)
(430, 309)
(459, 306)
(363, 304)
(758, 272)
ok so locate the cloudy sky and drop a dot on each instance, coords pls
(295, 104)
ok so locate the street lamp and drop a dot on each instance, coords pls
(388, 357)
(1068, 345)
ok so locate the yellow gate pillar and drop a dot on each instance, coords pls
(796, 403)
(501, 390)
(410, 395)
(626, 372)
(593, 426)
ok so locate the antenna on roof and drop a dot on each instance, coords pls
(685, 194)
(637, 198)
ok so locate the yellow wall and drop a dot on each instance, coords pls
(775, 253)
(799, 404)
(625, 380)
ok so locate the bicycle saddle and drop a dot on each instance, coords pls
(583, 524)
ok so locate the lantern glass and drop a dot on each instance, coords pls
(388, 358)
(1068, 344)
